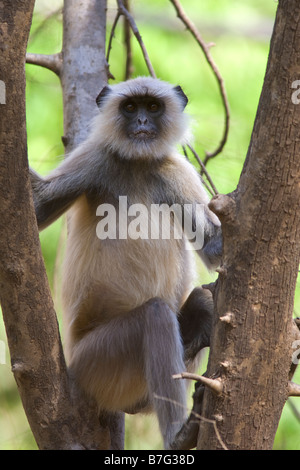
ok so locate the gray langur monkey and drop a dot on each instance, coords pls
(132, 317)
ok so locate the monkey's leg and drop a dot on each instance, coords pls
(195, 322)
(163, 358)
(133, 357)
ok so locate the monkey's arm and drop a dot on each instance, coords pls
(52, 197)
(211, 252)
(200, 224)
(56, 193)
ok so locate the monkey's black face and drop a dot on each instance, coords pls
(143, 116)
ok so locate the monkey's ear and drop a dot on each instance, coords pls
(103, 93)
(182, 95)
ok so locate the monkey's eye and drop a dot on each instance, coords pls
(130, 107)
(153, 106)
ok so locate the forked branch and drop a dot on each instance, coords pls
(123, 11)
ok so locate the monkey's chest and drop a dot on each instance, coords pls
(125, 255)
(136, 270)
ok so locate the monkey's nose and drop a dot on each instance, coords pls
(142, 120)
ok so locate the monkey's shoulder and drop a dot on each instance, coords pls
(181, 177)
(166, 180)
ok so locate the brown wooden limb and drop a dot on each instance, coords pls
(112, 34)
(293, 389)
(127, 41)
(215, 385)
(138, 36)
(52, 62)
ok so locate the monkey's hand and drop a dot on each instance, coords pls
(211, 252)
(37, 187)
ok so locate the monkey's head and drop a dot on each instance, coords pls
(141, 118)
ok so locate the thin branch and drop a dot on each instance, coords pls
(123, 11)
(112, 35)
(214, 384)
(178, 438)
(187, 431)
(206, 50)
(293, 389)
(294, 409)
(127, 41)
(204, 170)
(52, 62)
(202, 179)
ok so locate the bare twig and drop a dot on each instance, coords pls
(127, 41)
(198, 417)
(214, 384)
(209, 189)
(294, 409)
(293, 389)
(206, 50)
(52, 62)
(204, 170)
(134, 28)
(112, 34)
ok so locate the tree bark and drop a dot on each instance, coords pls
(58, 417)
(251, 345)
(83, 72)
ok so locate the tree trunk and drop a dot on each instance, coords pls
(58, 417)
(83, 73)
(251, 345)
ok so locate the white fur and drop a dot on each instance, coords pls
(175, 122)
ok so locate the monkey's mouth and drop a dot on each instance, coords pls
(143, 135)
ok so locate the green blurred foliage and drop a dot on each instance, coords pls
(240, 31)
